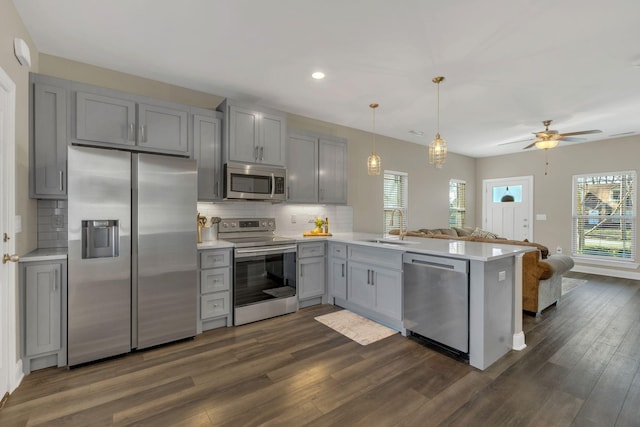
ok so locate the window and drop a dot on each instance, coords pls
(604, 216)
(457, 203)
(395, 197)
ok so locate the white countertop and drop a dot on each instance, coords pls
(45, 254)
(440, 247)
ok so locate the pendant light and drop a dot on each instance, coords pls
(373, 162)
(438, 147)
(507, 197)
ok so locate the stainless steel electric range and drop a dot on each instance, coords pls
(264, 283)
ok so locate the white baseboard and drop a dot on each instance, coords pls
(16, 376)
(601, 271)
(518, 341)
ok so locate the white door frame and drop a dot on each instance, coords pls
(506, 181)
(10, 371)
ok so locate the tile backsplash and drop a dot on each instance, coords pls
(291, 219)
(52, 223)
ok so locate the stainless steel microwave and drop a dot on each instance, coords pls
(254, 182)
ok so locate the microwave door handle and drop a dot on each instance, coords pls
(273, 185)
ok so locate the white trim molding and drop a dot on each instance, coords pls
(601, 271)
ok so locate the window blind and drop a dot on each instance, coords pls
(395, 197)
(604, 216)
(457, 203)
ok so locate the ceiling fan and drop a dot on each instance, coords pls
(549, 138)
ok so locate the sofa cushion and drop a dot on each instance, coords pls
(464, 231)
(483, 233)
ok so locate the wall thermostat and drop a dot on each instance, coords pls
(21, 49)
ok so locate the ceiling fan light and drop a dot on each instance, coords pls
(545, 144)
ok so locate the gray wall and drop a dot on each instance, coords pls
(553, 192)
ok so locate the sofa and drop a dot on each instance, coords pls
(541, 273)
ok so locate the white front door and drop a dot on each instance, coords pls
(7, 234)
(507, 207)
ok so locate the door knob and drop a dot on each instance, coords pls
(12, 258)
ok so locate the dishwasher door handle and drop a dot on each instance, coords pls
(433, 264)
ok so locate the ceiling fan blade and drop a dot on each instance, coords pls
(530, 145)
(516, 142)
(570, 139)
(582, 132)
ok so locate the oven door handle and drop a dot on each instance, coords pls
(249, 252)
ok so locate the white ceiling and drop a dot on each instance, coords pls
(509, 64)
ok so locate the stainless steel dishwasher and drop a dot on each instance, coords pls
(436, 299)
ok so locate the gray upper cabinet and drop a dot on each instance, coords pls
(316, 168)
(332, 171)
(207, 150)
(48, 138)
(105, 117)
(254, 135)
(302, 169)
(162, 128)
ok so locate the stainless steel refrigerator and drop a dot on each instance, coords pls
(132, 251)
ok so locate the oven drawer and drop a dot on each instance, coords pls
(214, 305)
(216, 258)
(215, 280)
(308, 250)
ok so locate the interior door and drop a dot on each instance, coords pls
(508, 207)
(7, 232)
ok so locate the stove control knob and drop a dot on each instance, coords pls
(225, 225)
(271, 224)
(264, 224)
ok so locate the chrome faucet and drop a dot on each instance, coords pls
(402, 233)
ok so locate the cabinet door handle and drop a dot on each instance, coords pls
(131, 130)
(61, 177)
(143, 133)
(368, 277)
(342, 270)
(55, 282)
(301, 270)
(261, 153)
(255, 153)
(372, 277)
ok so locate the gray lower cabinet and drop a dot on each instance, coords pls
(43, 296)
(311, 273)
(373, 284)
(316, 168)
(48, 136)
(215, 275)
(207, 150)
(253, 135)
(337, 270)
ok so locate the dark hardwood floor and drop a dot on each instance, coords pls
(580, 367)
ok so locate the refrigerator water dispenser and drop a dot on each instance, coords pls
(100, 239)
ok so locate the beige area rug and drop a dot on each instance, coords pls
(569, 284)
(361, 330)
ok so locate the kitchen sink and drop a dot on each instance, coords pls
(390, 241)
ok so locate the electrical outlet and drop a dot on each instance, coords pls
(293, 219)
(502, 275)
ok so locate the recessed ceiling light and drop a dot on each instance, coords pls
(416, 132)
(318, 75)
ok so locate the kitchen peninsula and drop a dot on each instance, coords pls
(372, 266)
